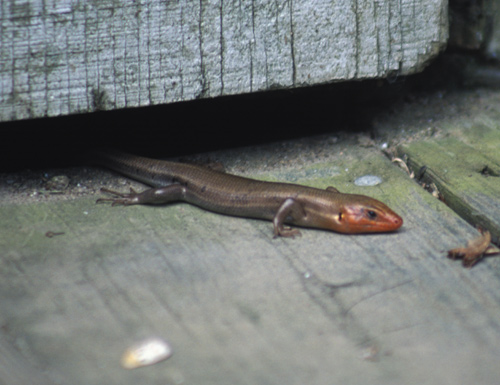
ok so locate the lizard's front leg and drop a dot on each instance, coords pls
(290, 207)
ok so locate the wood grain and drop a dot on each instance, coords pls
(238, 306)
(68, 57)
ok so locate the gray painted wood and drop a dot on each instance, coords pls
(70, 56)
(237, 306)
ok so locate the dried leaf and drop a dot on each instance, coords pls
(404, 166)
(474, 250)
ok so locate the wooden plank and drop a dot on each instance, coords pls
(66, 57)
(475, 25)
(15, 367)
(467, 175)
(238, 306)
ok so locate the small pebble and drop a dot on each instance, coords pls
(368, 180)
(146, 352)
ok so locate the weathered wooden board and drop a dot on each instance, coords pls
(16, 368)
(66, 57)
(238, 306)
(466, 174)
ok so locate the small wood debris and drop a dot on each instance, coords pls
(52, 234)
(365, 141)
(474, 250)
(57, 183)
(404, 166)
(433, 189)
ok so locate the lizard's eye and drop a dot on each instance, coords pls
(372, 214)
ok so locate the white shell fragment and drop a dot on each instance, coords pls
(368, 180)
(146, 352)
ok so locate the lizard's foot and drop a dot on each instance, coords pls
(131, 198)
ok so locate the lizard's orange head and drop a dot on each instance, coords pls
(366, 215)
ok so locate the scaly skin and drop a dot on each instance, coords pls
(238, 196)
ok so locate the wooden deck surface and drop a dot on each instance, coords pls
(239, 307)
